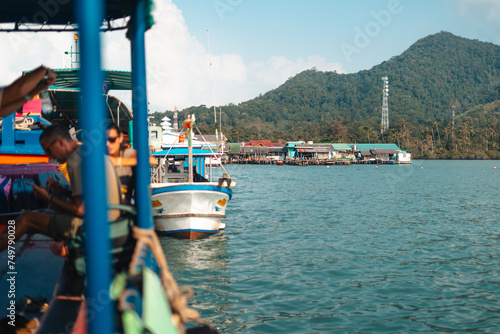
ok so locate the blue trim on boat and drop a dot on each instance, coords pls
(183, 151)
(186, 230)
(187, 187)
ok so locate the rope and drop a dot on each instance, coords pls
(24, 124)
(177, 297)
(215, 155)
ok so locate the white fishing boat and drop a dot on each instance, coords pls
(186, 202)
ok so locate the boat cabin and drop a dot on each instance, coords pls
(173, 165)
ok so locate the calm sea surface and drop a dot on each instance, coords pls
(354, 249)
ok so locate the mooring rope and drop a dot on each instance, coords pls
(177, 297)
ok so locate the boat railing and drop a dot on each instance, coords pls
(157, 173)
(216, 155)
(160, 175)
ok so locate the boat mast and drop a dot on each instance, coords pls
(190, 147)
(220, 133)
(212, 80)
(213, 92)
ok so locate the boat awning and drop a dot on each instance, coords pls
(183, 151)
(69, 79)
(36, 15)
(66, 109)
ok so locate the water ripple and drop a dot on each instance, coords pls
(353, 249)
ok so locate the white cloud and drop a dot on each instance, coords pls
(25, 51)
(484, 13)
(479, 9)
(179, 72)
(178, 65)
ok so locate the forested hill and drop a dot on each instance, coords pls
(425, 81)
(433, 74)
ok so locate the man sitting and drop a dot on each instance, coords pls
(57, 144)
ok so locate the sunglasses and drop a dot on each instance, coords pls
(112, 140)
(47, 149)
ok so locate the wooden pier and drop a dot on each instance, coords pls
(305, 162)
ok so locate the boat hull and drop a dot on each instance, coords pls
(189, 211)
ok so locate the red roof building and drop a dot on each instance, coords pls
(266, 143)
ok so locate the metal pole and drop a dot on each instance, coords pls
(190, 150)
(140, 124)
(212, 79)
(90, 14)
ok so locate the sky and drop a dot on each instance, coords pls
(216, 52)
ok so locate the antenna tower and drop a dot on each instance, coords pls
(453, 116)
(385, 105)
(176, 122)
(75, 61)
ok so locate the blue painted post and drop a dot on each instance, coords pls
(8, 139)
(140, 107)
(91, 113)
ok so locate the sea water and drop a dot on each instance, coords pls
(351, 249)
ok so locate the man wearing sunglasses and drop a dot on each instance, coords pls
(59, 145)
(67, 219)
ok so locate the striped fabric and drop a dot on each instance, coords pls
(122, 245)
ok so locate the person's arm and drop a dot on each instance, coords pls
(57, 187)
(74, 207)
(24, 88)
(123, 162)
(130, 161)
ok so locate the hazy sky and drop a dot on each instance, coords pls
(256, 45)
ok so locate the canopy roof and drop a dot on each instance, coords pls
(113, 80)
(36, 15)
(39, 15)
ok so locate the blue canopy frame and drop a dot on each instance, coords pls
(98, 273)
(87, 16)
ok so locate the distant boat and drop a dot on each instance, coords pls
(186, 204)
(214, 160)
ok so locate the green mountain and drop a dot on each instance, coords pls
(434, 74)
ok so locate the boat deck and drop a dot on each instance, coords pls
(33, 271)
